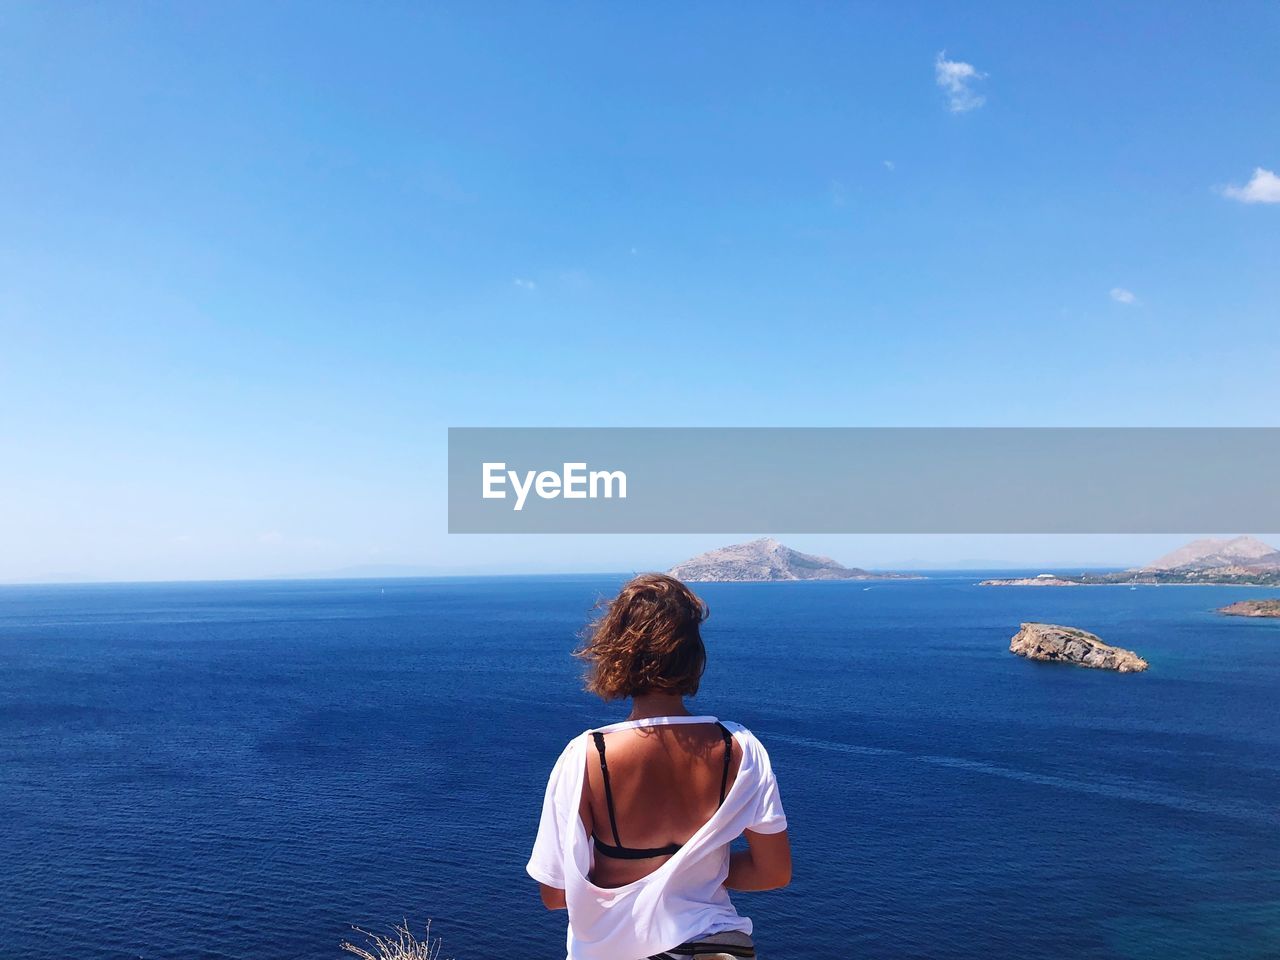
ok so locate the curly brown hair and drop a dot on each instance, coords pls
(647, 640)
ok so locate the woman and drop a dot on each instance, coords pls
(638, 815)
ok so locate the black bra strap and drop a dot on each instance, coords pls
(608, 789)
(627, 853)
(724, 777)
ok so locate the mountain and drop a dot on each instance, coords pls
(1210, 553)
(767, 559)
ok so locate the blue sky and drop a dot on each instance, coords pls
(258, 257)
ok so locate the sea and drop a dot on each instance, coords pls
(250, 770)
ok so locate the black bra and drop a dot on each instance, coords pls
(618, 851)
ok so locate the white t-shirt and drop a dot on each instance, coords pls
(685, 897)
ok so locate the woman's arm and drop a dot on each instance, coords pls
(552, 897)
(764, 865)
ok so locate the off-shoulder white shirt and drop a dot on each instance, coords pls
(685, 897)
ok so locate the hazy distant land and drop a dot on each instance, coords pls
(1239, 561)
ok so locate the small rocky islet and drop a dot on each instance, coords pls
(1252, 608)
(1054, 643)
(1043, 580)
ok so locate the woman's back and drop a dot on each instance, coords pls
(665, 781)
(638, 817)
(670, 900)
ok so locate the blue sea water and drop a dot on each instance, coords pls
(247, 769)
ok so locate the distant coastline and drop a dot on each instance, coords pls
(1240, 561)
(1085, 580)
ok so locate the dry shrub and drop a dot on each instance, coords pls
(400, 944)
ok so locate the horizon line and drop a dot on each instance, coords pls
(336, 577)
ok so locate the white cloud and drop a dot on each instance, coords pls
(524, 284)
(888, 165)
(1263, 188)
(1121, 295)
(956, 78)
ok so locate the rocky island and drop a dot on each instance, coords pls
(767, 560)
(1252, 608)
(1239, 561)
(1043, 580)
(1058, 644)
